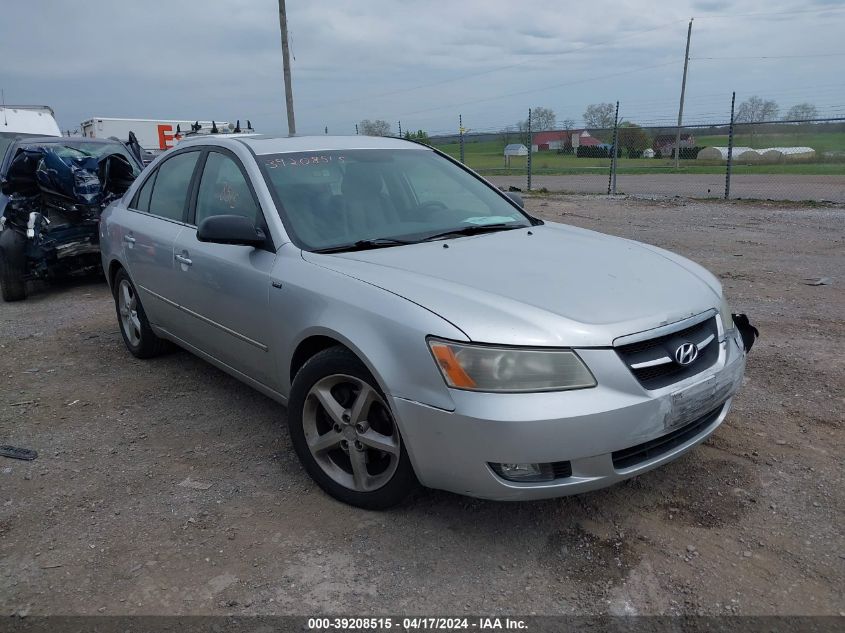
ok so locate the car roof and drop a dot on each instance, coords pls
(283, 144)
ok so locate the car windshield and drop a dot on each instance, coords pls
(70, 149)
(333, 199)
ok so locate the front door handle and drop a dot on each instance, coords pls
(183, 260)
(128, 239)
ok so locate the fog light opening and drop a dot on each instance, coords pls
(524, 472)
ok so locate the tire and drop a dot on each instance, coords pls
(359, 473)
(139, 338)
(12, 265)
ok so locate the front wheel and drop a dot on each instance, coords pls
(12, 265)
(344, 433)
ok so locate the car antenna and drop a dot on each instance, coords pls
(248, 125)
(214, 129)
(238, 127)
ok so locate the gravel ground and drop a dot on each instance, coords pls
(759, 186)
(166, 487)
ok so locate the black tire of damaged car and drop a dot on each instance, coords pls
(12, 265)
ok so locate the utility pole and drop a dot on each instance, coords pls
(530, 145)
(400, 129)
(729, 162)
(461, 132)
(681, 106)
(356, 129)
(283, 25)
(611, 183)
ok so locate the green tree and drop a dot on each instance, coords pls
(633, 139)
(420, 136)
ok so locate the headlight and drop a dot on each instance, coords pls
(503, 369)
(727, 319)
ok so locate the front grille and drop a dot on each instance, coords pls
(655, 448)
(655, 376)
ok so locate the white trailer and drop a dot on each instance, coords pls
(28, 119)
(154, 135)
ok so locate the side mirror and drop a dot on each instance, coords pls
(6, 187)
(516, 198)
(230, 229)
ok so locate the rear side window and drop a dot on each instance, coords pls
(224, 191)
(172, 182)
(143, 199)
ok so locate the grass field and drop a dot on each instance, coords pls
(486, 157)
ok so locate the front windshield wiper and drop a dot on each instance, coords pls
(475, 229)
(363, 245)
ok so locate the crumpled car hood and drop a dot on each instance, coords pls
(560, 286)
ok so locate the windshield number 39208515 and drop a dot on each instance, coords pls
(301, 161)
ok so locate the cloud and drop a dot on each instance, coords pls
(422, 63)
(711, 6)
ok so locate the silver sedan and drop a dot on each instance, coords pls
(420, 326)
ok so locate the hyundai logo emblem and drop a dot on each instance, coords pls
(686, 353)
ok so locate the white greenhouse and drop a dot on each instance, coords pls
(754, 156)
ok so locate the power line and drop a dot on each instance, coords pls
(500, 68)
(535, 90)
(766, 13)
(695, 59)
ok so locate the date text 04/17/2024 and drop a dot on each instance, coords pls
(416, 623)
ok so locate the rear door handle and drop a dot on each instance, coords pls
(183, 260)
(128, 239)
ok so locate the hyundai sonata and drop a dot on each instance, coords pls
(420, 326)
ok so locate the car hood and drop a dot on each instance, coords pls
(550, 285)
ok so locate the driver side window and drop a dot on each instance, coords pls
(224, 190)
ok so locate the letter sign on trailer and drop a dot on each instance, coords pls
(165, 138)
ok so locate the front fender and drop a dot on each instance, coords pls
(387, 332)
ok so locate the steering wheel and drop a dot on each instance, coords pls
(431, 207)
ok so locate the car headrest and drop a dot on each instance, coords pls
(361, 179)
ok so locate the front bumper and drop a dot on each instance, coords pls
(452, 450)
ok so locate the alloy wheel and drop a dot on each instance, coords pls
(351, 433)
(127, 302)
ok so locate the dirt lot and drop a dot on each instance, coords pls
(167, 487)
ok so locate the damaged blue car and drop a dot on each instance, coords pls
(53, 192)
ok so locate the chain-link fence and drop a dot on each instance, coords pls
(783, 160)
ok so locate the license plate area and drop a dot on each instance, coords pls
(699, 399)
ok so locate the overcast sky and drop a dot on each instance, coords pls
(422, 62)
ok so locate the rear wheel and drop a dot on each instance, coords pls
(139, 338)
(344, 432)
(12, 265)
